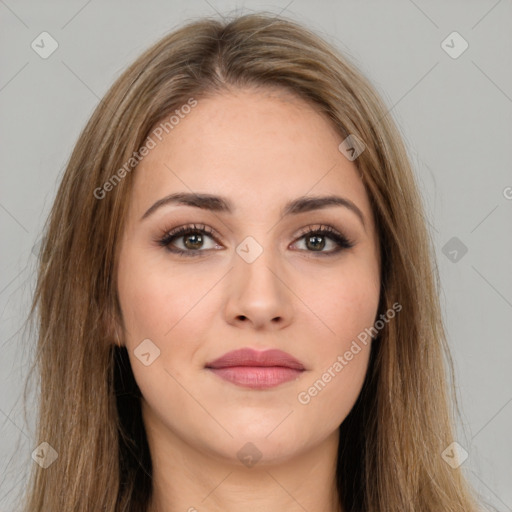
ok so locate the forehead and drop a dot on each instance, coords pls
(260, 147)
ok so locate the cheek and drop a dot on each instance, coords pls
(155, 297)
(156, 312)
(154, 309)
(341, 359)
(150, 309)
(329, 396)
(345, 302)
(347, 306)
(169, 308)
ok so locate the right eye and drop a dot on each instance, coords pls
(193, 240)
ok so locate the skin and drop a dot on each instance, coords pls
(259, 149)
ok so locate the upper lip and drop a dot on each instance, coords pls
(251, 357)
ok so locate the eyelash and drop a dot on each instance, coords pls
(342, 241)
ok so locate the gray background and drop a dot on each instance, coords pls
(455, 115)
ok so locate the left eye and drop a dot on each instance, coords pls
(316, 239)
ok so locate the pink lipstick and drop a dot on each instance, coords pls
(256, 370)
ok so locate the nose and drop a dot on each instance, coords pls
(258, 295)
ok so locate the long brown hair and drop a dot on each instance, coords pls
(391, 443)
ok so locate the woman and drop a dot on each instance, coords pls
(236, 297)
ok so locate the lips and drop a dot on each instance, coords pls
(257, 370)
(250, 357)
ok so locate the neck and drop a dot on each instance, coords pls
(188, 478)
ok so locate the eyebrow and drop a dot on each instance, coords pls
(223, 205)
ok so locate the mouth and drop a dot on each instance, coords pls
(255, 369)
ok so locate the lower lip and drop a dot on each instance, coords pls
(257, 377)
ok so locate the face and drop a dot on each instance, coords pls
(254, 267)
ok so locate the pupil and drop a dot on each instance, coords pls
(194, 245)
(319, 242)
